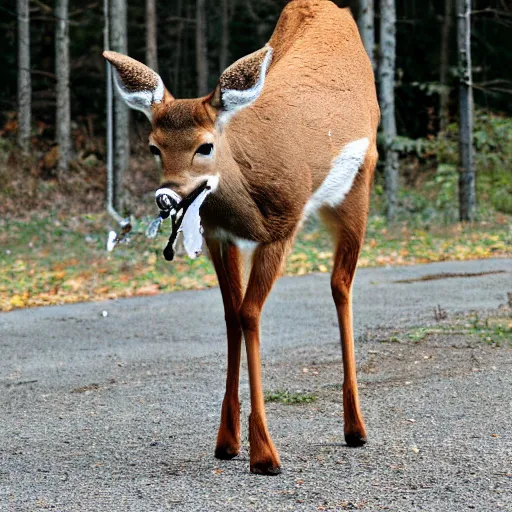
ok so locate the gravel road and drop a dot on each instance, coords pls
(118, 411)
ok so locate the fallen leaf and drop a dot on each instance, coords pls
(148, 289)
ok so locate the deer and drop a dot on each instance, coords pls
(288, 132)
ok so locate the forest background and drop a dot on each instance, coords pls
(53, 221)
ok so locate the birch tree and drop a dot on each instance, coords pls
(201, 49)
(151, 35)
(119, 43)
(24, 81)
(387, 101)
(63, 130)
(467, 193)
(366, 27)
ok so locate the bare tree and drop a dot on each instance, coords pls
(178, 51)
(63, 132)
(366, 27)
(224, 41)
(467, 193)
(119, 43)
(151, 35)
(201, 49)
(387, 101)
(444, 96)
(24, 82)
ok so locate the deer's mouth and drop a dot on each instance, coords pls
(184, 216)
(167, 199)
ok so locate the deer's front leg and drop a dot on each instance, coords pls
(267, 263)
(228, 266)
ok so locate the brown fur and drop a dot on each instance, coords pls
(319, 95)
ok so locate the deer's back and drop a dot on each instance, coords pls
(319, 95)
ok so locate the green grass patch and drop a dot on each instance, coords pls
(493, 330)
(289, 398)
(419, 334)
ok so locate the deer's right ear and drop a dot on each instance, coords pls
(139, 86)
(241, 84)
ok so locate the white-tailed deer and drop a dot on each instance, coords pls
(289, 130)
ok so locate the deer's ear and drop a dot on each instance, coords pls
(139, 86)
(241, 84)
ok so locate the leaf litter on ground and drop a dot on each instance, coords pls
(56, 259)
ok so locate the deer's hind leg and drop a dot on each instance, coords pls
(347, 222)
(227, 261)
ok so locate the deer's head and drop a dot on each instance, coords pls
(186, 135)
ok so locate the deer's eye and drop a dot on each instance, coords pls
(205, 150)
(154, 150)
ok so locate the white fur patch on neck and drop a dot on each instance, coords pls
(234, 100)
(213, 182)
(140, 100)
(340, 179)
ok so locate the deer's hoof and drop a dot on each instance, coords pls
(265, 468)
(226, 452)
(355, 439)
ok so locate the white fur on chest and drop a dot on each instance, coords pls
(339, 181)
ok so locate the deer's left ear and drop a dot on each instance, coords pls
(241, 84)
(139, 86)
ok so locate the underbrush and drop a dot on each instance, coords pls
(429, 168)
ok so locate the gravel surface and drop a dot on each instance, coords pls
(118, 411)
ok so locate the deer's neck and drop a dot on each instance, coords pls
(245, 204)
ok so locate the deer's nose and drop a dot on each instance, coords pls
(167, 199)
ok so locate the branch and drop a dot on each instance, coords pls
(93, 5)
(43, 73)
(179, 18)
(43, 6)
(498, 85)
(490, 10)
(496, 81)
(251, 11)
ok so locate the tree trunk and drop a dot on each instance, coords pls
(366, 27)
(201, 49)
(224, 42)
(467, 193)
(175, 86)
(387, 101)
(119, 43)
(151, 35)
(444, 96)
(24, 82)
(63, 132)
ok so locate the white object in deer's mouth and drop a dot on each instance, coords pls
(162, 196)
(191, 226)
